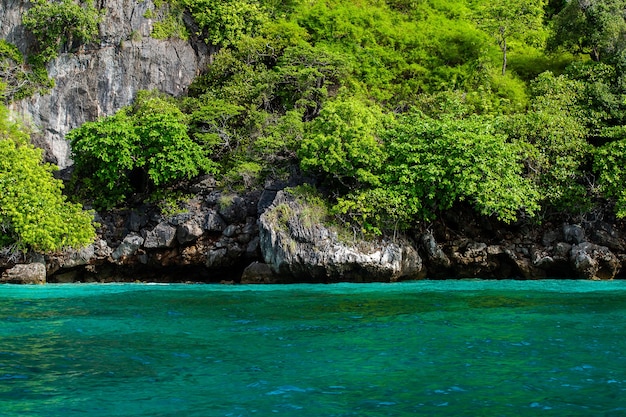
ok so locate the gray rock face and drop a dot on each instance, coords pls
(99, 79)
(297, 249)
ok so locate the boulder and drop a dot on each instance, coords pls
(162, 236)
(259, 273)
(129, 246)
(214, 222)
(298, 249)
(30, 273)
(189, 231)
(573, 233)
(591, 261)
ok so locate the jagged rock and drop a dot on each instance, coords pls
(189, 231)
(551, 236)
(129, 246)
(561, 251)
(436, 257)
(573, 233)
(162, 236)
(230, 231)
(296, 248)
(214, 222)
(31, 273)
(472, 259)
(266, 200)
(253, 247)
(592, 261)
(216, 258)
(233, 209)
(524, 266)
(259, 273)
(604, 234)
(205, 185)
(101, 249)
(70, 259)
(137, 220)
(541, 259)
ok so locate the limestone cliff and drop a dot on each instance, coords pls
(99, 79)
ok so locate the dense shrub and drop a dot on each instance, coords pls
(34, 214)
(137, 149)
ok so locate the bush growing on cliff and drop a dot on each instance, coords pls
(222, 22)
(61, 23)
(139, 148)
(34, 214)
(18, 80)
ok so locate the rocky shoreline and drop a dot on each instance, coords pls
(267, 236)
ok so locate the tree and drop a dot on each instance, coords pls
(609, 162)
(554, 134)
(17, 80)
(143, 146)
(594, 27)
(436, 163)
(342, 143)
(507, 19)
(34, 214)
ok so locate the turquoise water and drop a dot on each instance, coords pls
(432, 348)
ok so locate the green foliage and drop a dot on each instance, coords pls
(168, 28)
(510, 19)
(435, 163)
(17, 80)
(399, 108)
(221, 22)
(244, 175)
(594, 27)
(342, 143)
(431, 165)
(61, 23)
(609, 162)
(34, 214)
(168, 22)
(138, 148)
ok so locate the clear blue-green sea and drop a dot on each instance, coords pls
(431, 348)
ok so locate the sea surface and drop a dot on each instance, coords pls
(431, 348)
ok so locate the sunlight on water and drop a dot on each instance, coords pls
(432, 348)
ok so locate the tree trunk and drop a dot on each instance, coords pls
(503, 56)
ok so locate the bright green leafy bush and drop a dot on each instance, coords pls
(342, 143)
(441, 162)
(222, 22)
(59, 24)
(34, 214)
(610, 165)
(137, 149)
